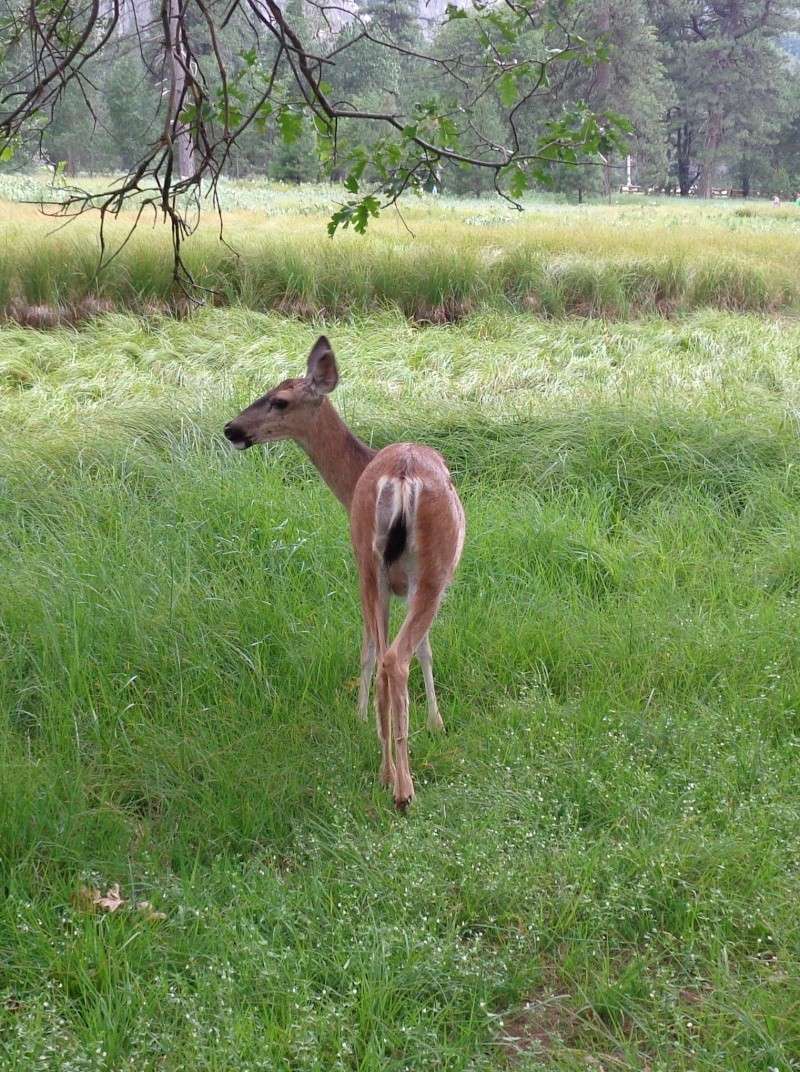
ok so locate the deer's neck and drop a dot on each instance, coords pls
(339, 456)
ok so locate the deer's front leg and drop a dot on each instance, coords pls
(425, 656)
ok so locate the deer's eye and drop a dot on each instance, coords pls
(279, 403)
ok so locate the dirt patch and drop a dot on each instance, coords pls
(667, 307)
(532, 303)
(299, 308)
(43, 316)
(550, 1022)
(541, 1025)
(450, 311)
(35, 316)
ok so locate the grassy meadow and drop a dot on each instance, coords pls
(600, 870)
(437, 262)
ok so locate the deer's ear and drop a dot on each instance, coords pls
(321, 369)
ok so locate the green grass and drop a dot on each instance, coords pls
(600, 869)
(633, 258)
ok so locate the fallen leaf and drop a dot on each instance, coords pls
(89, 899)
(150, 913)
(112, 900)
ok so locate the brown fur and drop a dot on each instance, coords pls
(405, 486)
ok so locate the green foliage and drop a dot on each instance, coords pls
(355, 212)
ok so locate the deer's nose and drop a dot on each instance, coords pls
(235, 435)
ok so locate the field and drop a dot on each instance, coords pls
(600, 870)
(439, 261)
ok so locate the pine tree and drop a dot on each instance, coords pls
(715, 54)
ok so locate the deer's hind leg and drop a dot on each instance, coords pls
(425, 656)
(375, 607)
(369, 656)
(393, 680)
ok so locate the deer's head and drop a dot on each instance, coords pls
(289, 410)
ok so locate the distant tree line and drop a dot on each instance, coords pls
(501, 95)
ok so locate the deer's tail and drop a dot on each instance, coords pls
(395, 517)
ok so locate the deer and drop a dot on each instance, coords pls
(407, 529)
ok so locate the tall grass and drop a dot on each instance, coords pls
(612, 261)
(600, 868)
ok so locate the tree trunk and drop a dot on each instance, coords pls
(744, 178)
(683, 147)
(181, 135)
(602, 86)
(713, 140)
